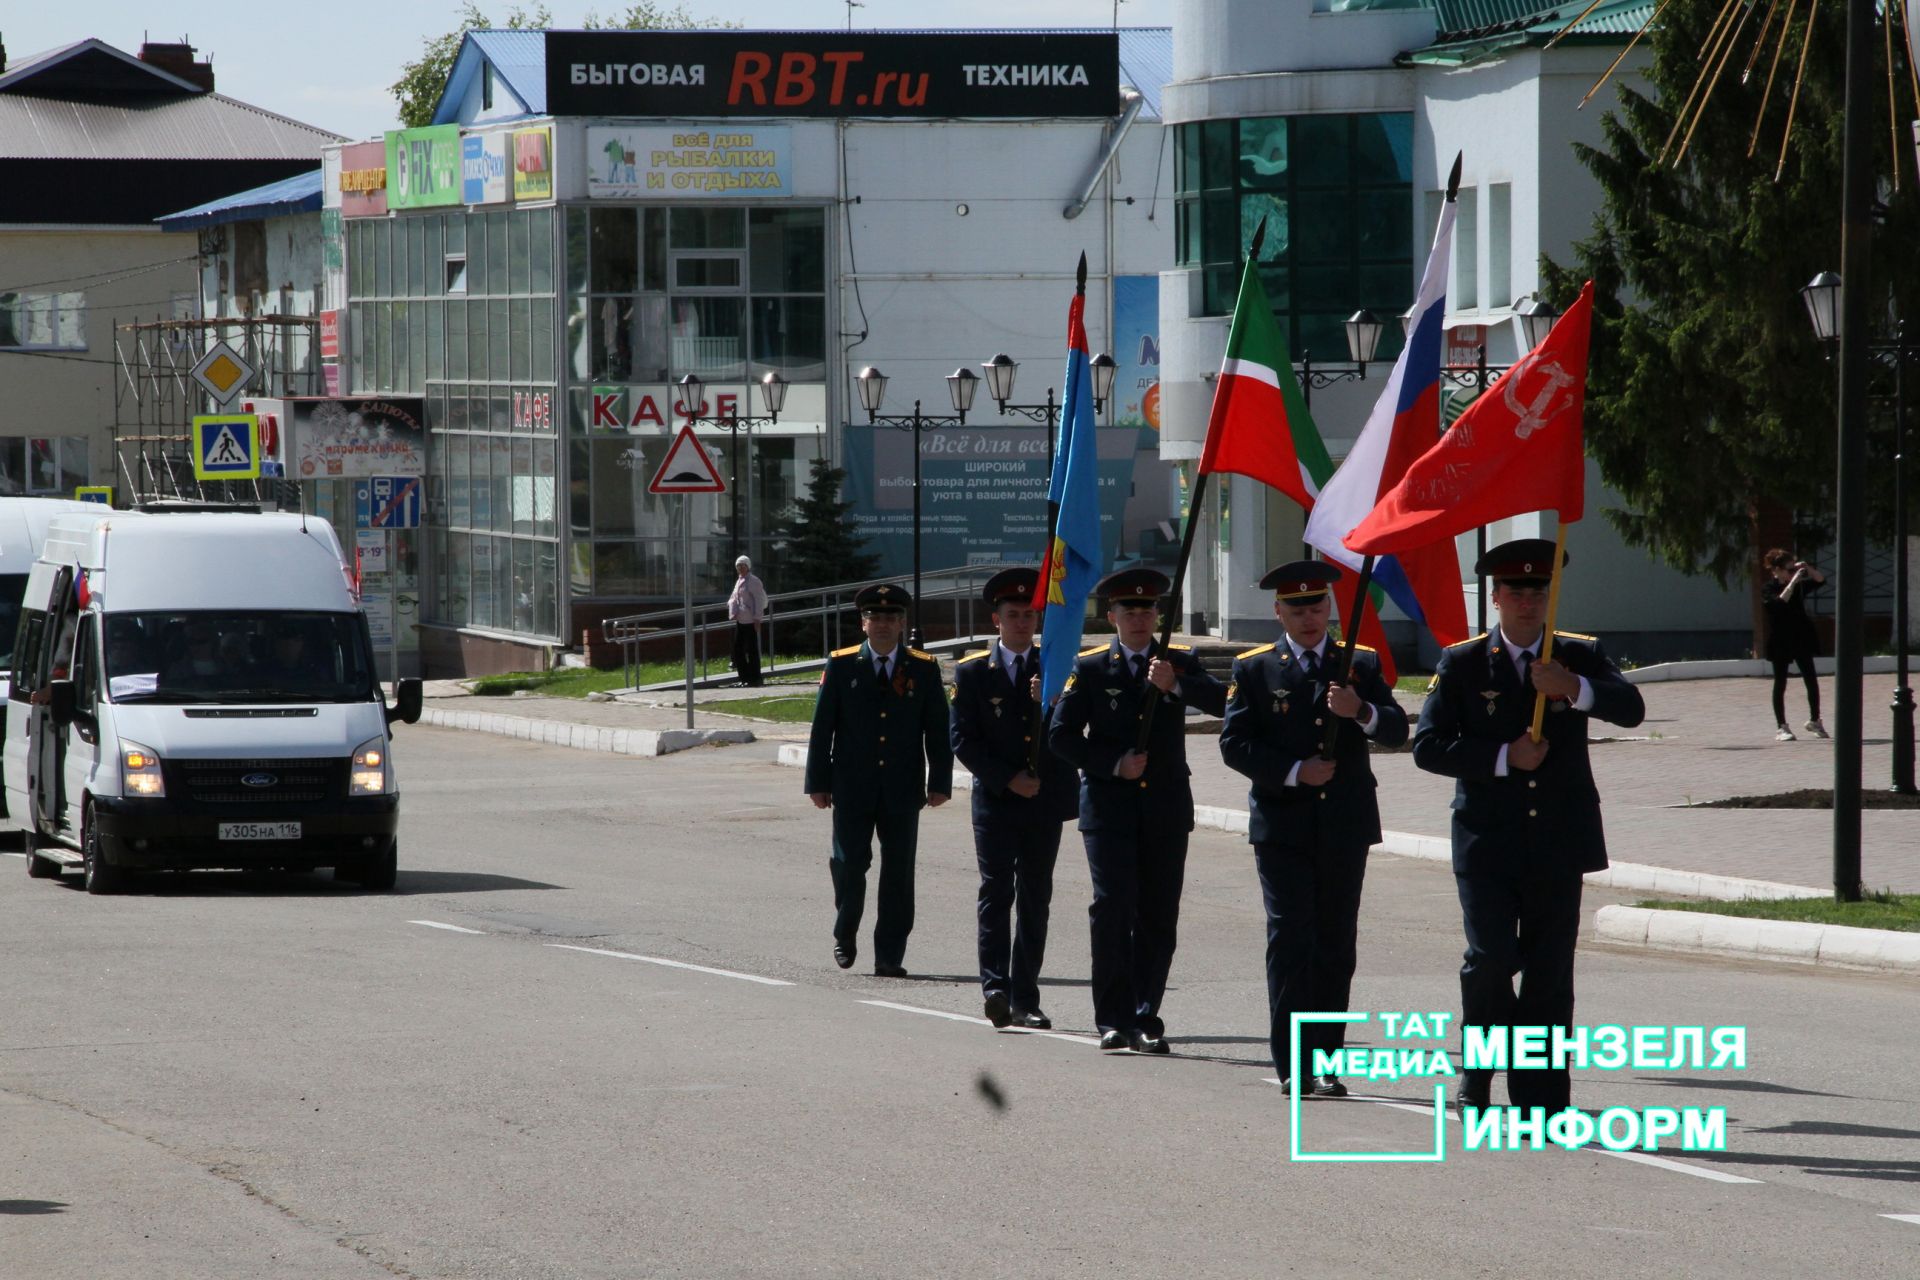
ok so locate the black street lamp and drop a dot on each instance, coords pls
(1363, 340)
(773, 394)
(1000, 375)
(1822, 295)
(961, 384)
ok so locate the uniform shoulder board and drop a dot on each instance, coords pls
(850, 649)
(922, 654)
(1254, 653)
(1364, 648)
(1575, 635)
(1181, 648)
(1464, 643)
(1088, 653)
(975, 656)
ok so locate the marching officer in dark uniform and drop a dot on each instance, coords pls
(877, 756)
(1526, 815)
(1136, 807)
(1312, 817)
(1022, 793)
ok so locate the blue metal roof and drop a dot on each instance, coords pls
(519, 60)
(299, 194)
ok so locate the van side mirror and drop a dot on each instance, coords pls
(61, 703)
(407, 696)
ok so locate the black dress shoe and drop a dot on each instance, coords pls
(998, 1011)
(1032, 1020)
(843, 954)
(1478, 1099)
(1328, 1087)
(889, 970)
(1113, 1041)
(1141, 1042)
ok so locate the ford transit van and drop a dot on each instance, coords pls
(198, 691)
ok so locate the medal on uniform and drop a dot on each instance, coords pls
(1490, 695)
(1113, 699)
(996, 706)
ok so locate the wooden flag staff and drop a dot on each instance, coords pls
(1553, 609)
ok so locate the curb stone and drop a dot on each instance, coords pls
(1407, 844)
(561, 733)
(1796, 942)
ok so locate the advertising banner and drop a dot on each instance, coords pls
(643, 160)
(372, 436)
(983, 493)
(1136, 352)
(423, 167)
(532, 164)
(823, 73)
(483, 168)
(363, 180)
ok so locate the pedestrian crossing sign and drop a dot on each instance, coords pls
(226, 446)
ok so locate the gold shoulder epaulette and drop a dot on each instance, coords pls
(975, 656)
(1254, 653)
(841, 653)
(1183, 648)
(1088, 653)
(1364, 648)
(1575, 635)
(1464, 643)
(922, 654)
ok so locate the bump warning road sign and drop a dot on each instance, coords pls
(687, 468)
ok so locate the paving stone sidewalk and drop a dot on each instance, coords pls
(1702, 740)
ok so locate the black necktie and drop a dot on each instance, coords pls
(1139, 666)
(883, 669)
(1312, 660)
(1526, 666)
(1020, 672)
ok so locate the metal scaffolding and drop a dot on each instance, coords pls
(155, 397)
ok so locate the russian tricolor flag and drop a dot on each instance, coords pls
(1405, 423)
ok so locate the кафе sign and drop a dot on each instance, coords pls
(786, 73)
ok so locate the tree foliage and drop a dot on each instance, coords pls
(818, 545)
(1710, 405)
(421, 81)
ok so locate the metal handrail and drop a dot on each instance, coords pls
(959, 587)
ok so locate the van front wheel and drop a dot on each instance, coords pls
(101, 877)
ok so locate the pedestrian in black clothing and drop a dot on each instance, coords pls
(1790, 639)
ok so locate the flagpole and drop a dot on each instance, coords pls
(1186, 540)
(1553, 608)
(1350, 624)
(1046, 555)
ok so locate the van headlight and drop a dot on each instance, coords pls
(369, 777)
(140, 771)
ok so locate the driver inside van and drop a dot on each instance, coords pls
(200, 659)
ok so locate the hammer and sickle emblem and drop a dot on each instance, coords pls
(1536, 415)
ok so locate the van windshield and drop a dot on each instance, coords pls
(264, 656)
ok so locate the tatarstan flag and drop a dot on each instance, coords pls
(1260, 426)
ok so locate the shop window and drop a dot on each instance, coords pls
(653, 267)
(1466, 251)
(519, 252)
(498, 228)
(577, 239)
(456, 273)
(615, 251)
(1499, 244)
(56, 464)
(522, 585)
(579, 488)
(699, 271)
(456, 340)
(788, 250)
(519, 324)
(790, 334)
(436, 341)
(546, 587)
(707, 337)
(477, 350)
(13, 470)
(540, 250)
(541, 328)
(708, 228)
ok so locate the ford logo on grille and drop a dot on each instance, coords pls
(259, 779)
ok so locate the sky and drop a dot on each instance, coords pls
(330, 64)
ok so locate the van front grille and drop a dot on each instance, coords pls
(303, 781)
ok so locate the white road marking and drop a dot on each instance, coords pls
(981, 1022)
(450, 928)
(674, 964)
(1914, 1218)
(1658, 1162)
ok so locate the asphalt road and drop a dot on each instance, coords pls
(493, 1072)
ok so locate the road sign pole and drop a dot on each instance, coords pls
(686, 597)
(393, 610)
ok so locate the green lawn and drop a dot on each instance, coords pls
(578, 682)
(791, 709)
(1875, 911)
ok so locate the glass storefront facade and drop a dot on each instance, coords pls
(1337, 194)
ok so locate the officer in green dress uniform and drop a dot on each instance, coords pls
(1312, 817)
(1136, 807)
(1526, 814)
(877, 756)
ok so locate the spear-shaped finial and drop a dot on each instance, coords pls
(1259, 235)
(1453, 179)
(1080, 275)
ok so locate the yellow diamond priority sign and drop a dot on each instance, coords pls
(222, 372)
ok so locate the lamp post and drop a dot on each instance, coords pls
(773, 394)
(1000, 375)
(1823, 296)
(961, 385)
(1363, 340)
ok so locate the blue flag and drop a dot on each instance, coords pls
(1073, 561)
